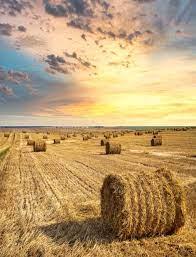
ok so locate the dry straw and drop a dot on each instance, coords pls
(103, 142)
(86, 137)
(26, 137)
(30, 142)
(138, 133)
(144, 204)
(57, 141)
(157, 140)
(6, 134)
(111, 148)
(45, 137)
(62, 137)
(39, 146)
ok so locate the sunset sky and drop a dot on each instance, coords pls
(98, 62)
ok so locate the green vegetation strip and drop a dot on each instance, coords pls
(3, 152)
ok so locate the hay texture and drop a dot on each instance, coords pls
(107, 135)
(138, 133)
(26, 137)
(39, 146)
(103, 142)
(156, 141)
(86, 137)
(6, 134)
(111, 148)
(62, 137)
(30, 142)
(143, 204)
(45, 137)
(57, 141)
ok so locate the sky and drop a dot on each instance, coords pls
(97, 62)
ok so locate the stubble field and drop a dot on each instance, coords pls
(50, 201)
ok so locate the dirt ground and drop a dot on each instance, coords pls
(50, 201)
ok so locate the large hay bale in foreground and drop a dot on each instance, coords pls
(39, 146)
(57, 141)
(143, 204)
(30, 142)
(156, 141)
(111, 148)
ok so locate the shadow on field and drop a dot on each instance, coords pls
(89, 231)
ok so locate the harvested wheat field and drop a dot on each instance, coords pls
(73, 199)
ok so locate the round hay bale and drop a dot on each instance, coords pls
(143, 204)
(45, 137)
(57, 141)
(156, 141)
(157, 136)
(138, 133)
(103, 142)
(107, 135)
(111, 148)
(86, 137)
(30, 142)
(39, 146)
(6, 134)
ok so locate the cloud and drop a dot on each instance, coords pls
(6, 91)
(144, 1)
(32, 91)
(12, 76)
(12, 7)
(79, 23)
(78, 7)
(81, 61)
(5, 29)
(21, 28)
(56, 63)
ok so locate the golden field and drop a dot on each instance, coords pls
(50, 201)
